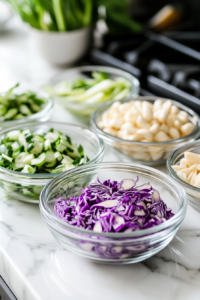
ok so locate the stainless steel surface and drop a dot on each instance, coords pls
(5, 292)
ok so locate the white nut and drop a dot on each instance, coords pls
(131, 116)
(124, 107)
(116, 114)
(177, 124)
(120, 134)
(135, 137)
(161, 136)
(153, 122)
(156, 155)
(158, 104)
(167, 105)
(154, 128)
(146, 111)
(164, 128)
(169, 122)
(183, 116)
(195, 119)
(149, 104)
(110, 131)
(172, 117)
(174, 133)
(156, 114)
(142, 123)
(138, 105)
(187, 128)
(115, 123)
(128, 128)
(174, 110)
(146, 134)
(183, 163)
(163, 114)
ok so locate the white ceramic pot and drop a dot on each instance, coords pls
(62, 47)
(5, 15)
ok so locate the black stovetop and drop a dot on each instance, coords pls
(167, 65)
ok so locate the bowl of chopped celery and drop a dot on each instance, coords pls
(112, 212)
(18, 108)
(31, 154)
(82, 90)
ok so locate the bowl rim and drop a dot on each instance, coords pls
(49, 105)
(61, 33)
(20, 175)
(194, 134)
(135, 84)
(138, 233)
(172, 158)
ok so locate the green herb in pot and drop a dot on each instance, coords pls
(67, 15)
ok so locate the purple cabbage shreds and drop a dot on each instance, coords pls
(114, 207)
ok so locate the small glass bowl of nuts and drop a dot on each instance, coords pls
(147, 129)
(183, 165)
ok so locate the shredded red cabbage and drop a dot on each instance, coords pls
(114, 207)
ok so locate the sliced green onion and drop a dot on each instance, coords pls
(26, 152)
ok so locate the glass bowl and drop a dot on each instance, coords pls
(27, 187)
(148, 153)
(86, 109)
(193, 193)
(42, 115)
(116, 248)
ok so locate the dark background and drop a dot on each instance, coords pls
(191, 8)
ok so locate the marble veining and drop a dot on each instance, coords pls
(36, 267)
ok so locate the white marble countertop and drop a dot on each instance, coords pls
(32, 263)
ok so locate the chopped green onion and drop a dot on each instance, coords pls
(100, 88)
(18, 106)
(52, 152)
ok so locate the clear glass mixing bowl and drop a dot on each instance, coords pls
(27, 187)
(193, 193)
(148, 153)
(116, 248)
(86, 109)
(41, 116)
